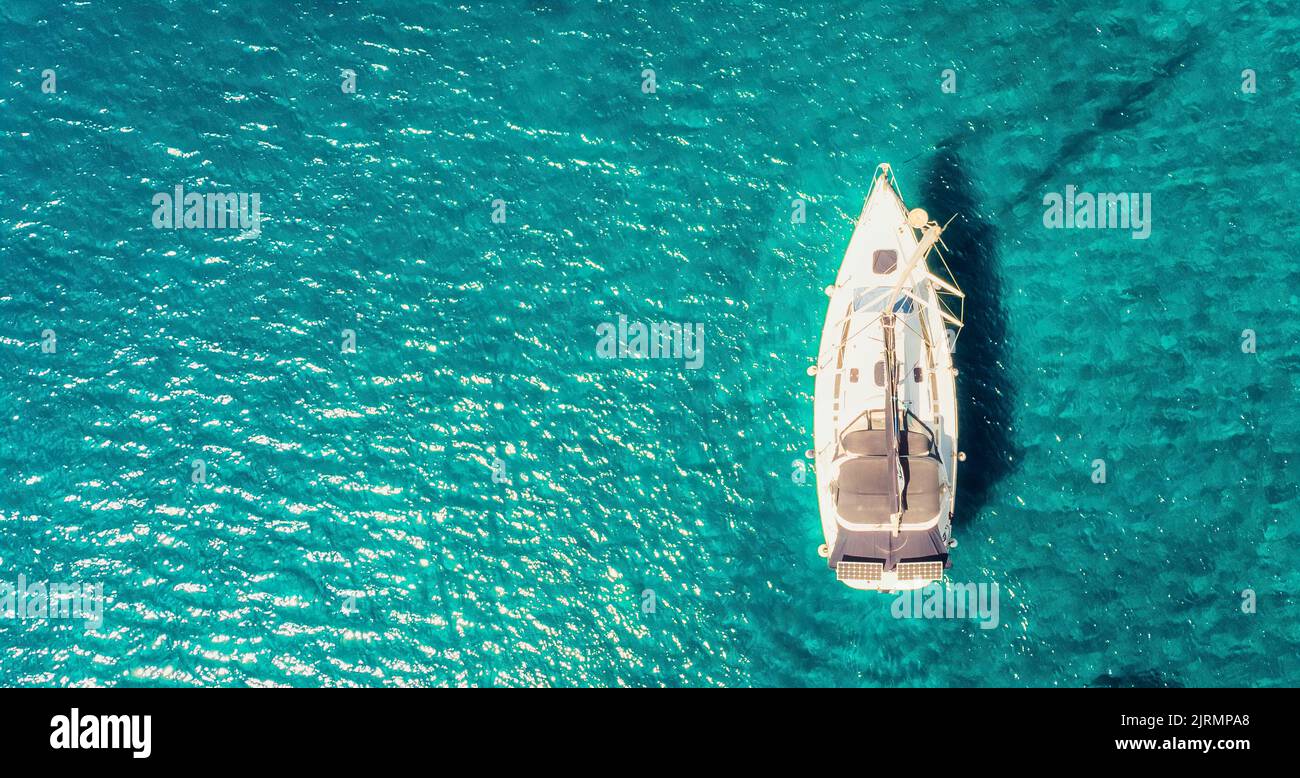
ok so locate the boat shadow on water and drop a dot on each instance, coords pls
(986, 393)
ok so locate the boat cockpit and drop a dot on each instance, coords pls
(861, 478)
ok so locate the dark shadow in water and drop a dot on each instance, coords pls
(1135, 679)
(1128, 108)
(985, 393)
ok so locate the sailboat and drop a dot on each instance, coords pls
(885, 402)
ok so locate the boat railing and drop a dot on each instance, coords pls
(946, 293)
(930, 242)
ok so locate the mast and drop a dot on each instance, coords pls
(918, 221)
(929, 236)
(930, 232)
(891, 422)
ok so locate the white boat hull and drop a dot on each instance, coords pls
(886, 261)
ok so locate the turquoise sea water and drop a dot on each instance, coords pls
(351, 531)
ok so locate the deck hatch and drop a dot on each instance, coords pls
(884, 261)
